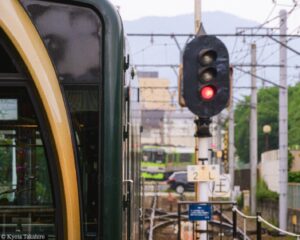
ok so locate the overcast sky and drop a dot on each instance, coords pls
(258, 10)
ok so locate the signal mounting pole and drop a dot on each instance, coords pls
(231, 136)
(253, 131)
(203, 135)
(283, 126)
(204, 138)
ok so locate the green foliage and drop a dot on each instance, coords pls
(263, 193)
(240, 201)
(5, 164)
(267, 112)
(294, 115)
(290, 160)
(294, 177)
(42, 187)
(242, 114)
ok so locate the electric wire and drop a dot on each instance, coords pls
(268, 16)
(295, 6)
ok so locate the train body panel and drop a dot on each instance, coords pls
(70, 58)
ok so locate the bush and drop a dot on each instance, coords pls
(263, 193)
(290, 160)
(240, 201)
(294, 177)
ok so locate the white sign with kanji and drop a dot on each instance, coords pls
(203, 173)
(221, 188)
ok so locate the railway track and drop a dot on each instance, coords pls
(162, 224)
(159, 219)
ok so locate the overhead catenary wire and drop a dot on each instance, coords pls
(284, 45)
(260, 27)
(157, 65)
(269, 15)
(258, 77)
(288, 14)
(266, 44)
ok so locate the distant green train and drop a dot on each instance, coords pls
(160, 161)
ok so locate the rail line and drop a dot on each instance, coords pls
(159, 219)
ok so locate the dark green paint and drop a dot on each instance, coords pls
(112, 122)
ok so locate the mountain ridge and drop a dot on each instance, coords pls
(164, 50)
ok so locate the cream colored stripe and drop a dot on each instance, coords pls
(18, 27)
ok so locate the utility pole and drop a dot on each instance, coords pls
(283, 125)
(204, 140)
(253, 130)
(197, 16)
(231, 139)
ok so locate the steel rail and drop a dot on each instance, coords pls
(152, 217)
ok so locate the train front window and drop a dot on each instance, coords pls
(26, 199)
(147, 156)
(186, 157)
(159, 157)
(154, 156)
(73, 39)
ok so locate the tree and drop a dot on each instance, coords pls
(267, 113)
(294, 116)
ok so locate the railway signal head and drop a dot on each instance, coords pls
(206, 82)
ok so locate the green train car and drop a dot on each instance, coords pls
(159, 161)
(69, 144)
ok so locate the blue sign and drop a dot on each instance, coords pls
(200, 212)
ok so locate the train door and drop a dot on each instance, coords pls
(29, 194)
(38, 183)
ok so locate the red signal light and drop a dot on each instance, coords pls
(207, 93)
